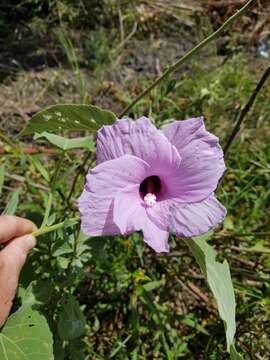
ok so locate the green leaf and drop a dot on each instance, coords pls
(12, 203)
(152, 285)
(220, 282)
(61, 247)
(68, 144)
(234, 355)
(2, 177)
(68, 117)
(41, 169)
(71, 324)
(37, 293)
(26, 336)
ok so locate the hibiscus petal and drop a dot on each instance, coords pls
(102, 183)
(155, 237)
(96, 215)
(195, 219)
(129, 210)
(130, 214)
(139, 138)
(202, 162)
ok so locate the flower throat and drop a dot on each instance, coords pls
(150, 189)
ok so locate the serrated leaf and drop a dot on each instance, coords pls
(68, 117)
(68, 144)
(26, 336)
(71, 324)
(2, 177)
(220, 282)
(12, 204)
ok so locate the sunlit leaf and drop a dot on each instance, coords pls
(12, 204)
(68, 144)
(40, 168)
(152, 285)
(220, 282)
(68, 117)
(26, 336)
(234, 354)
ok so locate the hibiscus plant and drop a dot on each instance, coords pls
(154, 181)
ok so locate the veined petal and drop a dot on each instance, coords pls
(130, 214)
(139, 138)
(195, 219)
(202, 162)
(97, 215)
(155, 237)
(102, 183)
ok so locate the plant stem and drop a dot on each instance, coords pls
(76, 177)
(74, 252)
(57, 169)
(246, 108)
(188, 55)
(48, 229)
(52, 185)
(47, 210)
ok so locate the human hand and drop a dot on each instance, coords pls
(15, 235)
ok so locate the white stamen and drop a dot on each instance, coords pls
(150, 199)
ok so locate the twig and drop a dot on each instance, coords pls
(31, 150)
(243, 261)
(129, 36)
(255, 233)
(197, 295)
(76, 177)
(188, 55)
(246, 108)
(250, 250)
(121, 26)
(173, 254)
(23, 180)
(198, 292)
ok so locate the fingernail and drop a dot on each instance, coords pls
(30, 242)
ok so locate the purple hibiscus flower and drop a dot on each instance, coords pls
(154, 181)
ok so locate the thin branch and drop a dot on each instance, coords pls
(121, 26)
(76, 177)
(250, 250)
(126, 40)
(30, 150)
(188, 55)
(246, 108)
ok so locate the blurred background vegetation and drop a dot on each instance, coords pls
(139, 305)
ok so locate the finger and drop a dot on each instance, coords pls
(13, 226)
(12, 259)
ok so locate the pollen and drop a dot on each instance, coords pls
(150, 199)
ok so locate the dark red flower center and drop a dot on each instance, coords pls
(150, 185)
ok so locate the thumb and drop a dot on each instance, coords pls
(12, 259)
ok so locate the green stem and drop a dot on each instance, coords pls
(47, 210)
(246, 108)
(188, 55)
(48, 229)
(57, 169)
(52, 185)
(74, 253)
(76, 177)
